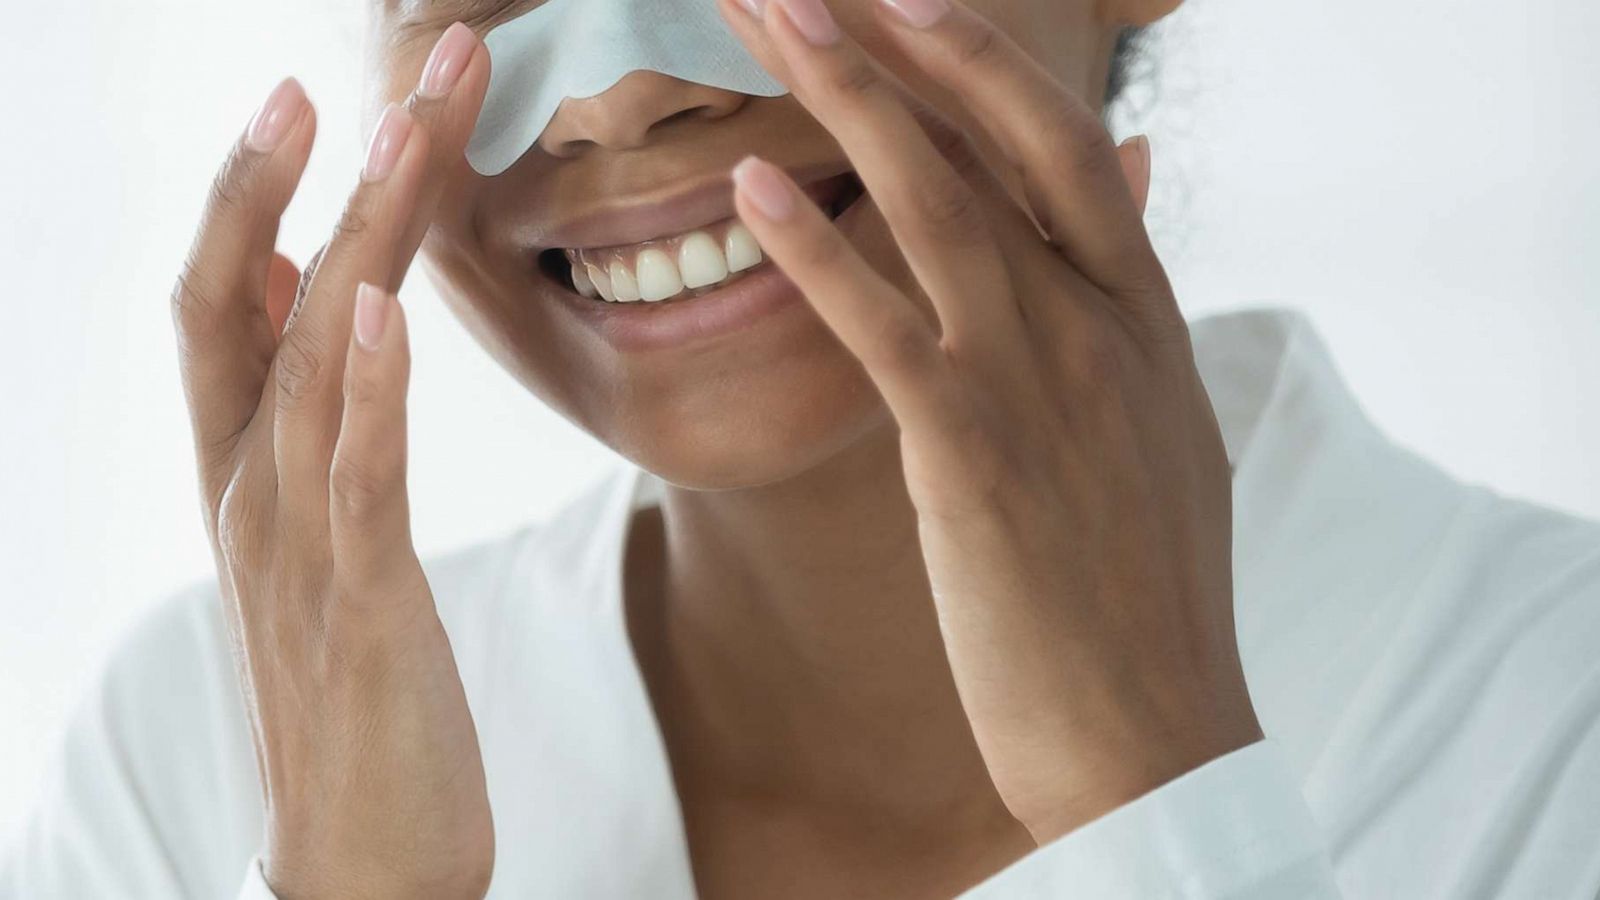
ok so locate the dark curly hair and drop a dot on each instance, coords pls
(1130, 45)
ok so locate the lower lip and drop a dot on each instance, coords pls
(640, 326)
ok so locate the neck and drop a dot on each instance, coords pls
(797, 649)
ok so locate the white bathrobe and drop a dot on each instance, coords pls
(1424, 657)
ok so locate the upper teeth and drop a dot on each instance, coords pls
(660, 270)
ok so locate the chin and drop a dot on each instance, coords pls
(771, 421)
(763, 407)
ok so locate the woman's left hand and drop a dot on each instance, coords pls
(1070, 481)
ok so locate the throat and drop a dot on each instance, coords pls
(788, 640)
(807, 768)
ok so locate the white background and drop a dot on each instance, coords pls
(1420, 176)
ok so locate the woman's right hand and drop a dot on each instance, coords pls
(371, 775)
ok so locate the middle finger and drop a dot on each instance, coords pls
(305, 415)
(939, 222)
(412, 150)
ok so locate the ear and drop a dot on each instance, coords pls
(1136, 12)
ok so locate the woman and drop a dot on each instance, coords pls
(956, 560)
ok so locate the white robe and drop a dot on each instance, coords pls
(1424, 657)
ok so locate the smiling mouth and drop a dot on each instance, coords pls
(683, 266)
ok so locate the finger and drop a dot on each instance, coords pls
(1065, 155)
(305, 390)
(447, 101)
(1134, 155)
(283, 282)
(375, 245)
(369, 513)
(886, 332)
(938, 220)
(225, 338)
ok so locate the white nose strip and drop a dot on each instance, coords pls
(579, 48)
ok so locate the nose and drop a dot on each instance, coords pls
(623, 116)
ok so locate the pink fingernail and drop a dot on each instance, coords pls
(813, 21)
(753, 7)
(447, 62)
(918, 13)
(388, 140)
(372, 313)
(765, 186)
(277, 115)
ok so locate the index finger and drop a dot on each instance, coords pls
(415, 149)
(225, 337)
(383, 224)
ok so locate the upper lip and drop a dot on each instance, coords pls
(630, 220)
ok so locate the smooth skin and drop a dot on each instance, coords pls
(1062, 549)
(868, 685)
(363, 738)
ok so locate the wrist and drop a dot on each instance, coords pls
(1121, 778)
(349, 879)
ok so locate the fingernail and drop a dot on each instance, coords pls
(372, 313)
(919, 13)
(272, 122)
(753, 7)
(765, 187)
(447, 62)
(1142, 144)
(388, 140)
(813, 21)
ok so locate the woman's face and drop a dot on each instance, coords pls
(737, 384)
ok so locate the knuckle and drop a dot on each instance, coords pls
(975, 44)
(855, 80)
(824, 251)
(1142, 279)
(243, 522)
(987, 465)
(359, 487)
(353, 222)
(1165, 334)
(982, 465)
(363, 390)
(901, 343)
(1083, 142)
(299, 365)
(214, 452)
(230, 187)
(196, 301)
(370, 597)
(951, 209)
(948, 140)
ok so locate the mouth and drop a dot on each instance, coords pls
(707, 250)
